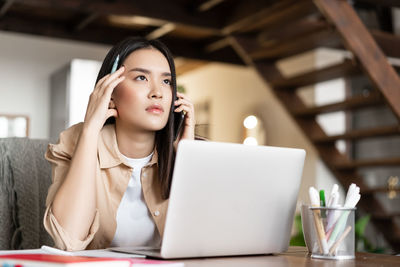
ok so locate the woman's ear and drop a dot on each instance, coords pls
(111, 104)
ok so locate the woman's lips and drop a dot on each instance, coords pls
(156, 109)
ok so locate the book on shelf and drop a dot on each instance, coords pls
(47, 260)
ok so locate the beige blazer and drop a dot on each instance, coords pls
(112, 177)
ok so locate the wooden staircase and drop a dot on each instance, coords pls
(307, 25)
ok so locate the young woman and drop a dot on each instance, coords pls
(112, 173)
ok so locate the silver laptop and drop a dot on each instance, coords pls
(229, 199)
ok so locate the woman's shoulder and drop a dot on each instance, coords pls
(67, 140)
(72, 133)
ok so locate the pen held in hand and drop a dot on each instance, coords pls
(115, 65)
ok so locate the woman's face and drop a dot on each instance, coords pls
(143, 99)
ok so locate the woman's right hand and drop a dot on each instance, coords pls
(99, 110)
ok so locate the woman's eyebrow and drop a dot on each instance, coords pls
(140, 70)
(148, 71)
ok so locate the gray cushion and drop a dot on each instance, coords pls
(25, 176)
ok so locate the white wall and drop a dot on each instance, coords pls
(26, 63)
(83, 77)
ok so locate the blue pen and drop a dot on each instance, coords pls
(115, 65)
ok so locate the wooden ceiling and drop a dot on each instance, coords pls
(197, 29)
(187, 27)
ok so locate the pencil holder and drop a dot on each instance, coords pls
(329, 232)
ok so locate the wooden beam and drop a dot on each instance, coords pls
(248, 13)
(285, 16)
(362, 45)
(95, 34)
(217, 45)
(174, 11)
(86, 21)
(225, 53)
(267, 16)
(127, 21)
(185, 65)
(209, 4)
(163, 30)
(6, 6)
(102, 34)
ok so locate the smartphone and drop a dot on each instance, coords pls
(178, 122)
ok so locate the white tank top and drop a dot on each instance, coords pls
(135, 226)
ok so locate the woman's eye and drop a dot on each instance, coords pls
(140, 78)
(166, 81)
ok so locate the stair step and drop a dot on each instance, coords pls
(346, 68)
(286, 30)
(351, 103)
(385, 216)
(369, 191)
(389, 3)
(299, 44)
(327, 37)
(368, 163)
(388, 42)
(360, 134)
(284, 12)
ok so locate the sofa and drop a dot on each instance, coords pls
(25, 176)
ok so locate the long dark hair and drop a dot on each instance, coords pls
(164, 137)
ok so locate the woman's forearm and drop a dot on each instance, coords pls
(74, 205)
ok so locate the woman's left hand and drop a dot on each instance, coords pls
(185, 105)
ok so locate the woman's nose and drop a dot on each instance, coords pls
(155, 91)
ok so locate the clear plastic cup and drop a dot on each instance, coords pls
(329, 232)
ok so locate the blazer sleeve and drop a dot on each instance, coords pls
(59, 155)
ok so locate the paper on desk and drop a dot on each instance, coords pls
(104, 253)
(96, 253)
(25, 251)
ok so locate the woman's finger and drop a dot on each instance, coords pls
(184, 107)
(187, 109)
(181, 95)
(183, 102)
(112, 78)
(189, 117)
(101, 81)
(110, 88)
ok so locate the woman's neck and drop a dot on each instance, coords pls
(133, 143)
